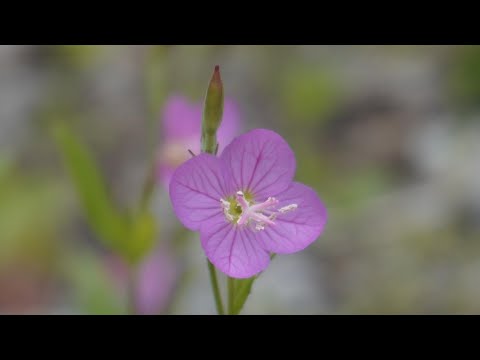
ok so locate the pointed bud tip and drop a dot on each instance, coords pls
(216, 79)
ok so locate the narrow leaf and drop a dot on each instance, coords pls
(110, 226)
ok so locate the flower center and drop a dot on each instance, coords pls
(242, 210)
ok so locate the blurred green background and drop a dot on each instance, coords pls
(387, 135)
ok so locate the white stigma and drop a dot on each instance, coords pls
(257, 215)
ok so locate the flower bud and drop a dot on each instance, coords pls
(212, 113)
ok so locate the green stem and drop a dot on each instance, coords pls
(211, 119)
(148, 187)
(149, 183)
(231, 295)
(215, 288)
(131, 300)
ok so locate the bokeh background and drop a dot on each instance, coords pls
(387, 135)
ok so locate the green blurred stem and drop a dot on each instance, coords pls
(131, 285)
(148, 187)
(151, 127)
(231, 295)
(215, 288)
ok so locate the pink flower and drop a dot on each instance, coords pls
(181, 131)
(245, 203)
(156, 278)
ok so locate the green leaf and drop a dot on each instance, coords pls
(243, 288)
(142, 237)
(112, 227)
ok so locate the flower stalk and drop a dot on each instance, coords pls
(216, 290)
(212, 117)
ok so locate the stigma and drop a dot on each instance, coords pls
(242, 212)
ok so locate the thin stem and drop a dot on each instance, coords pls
(149, 183)
(131, 285)
(212, 116)
(148, 187)
(231, 295)
(216, 290)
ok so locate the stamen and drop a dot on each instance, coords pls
(287, 208)
(226, 208)
(259, 227)
(261, 218)
(271, 201)
(248, 213)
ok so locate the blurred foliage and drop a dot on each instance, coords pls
(464, 79)
(110, 225)
(155, 81)
(79, 56)
(30, 217)
(143, 235)
(132, 235)
(309, 94)
(93, 289)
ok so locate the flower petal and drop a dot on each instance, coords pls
(157, 276)
(261, 162)
(196, 189)
(181, 118)
(232, 249)
(295, 230)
